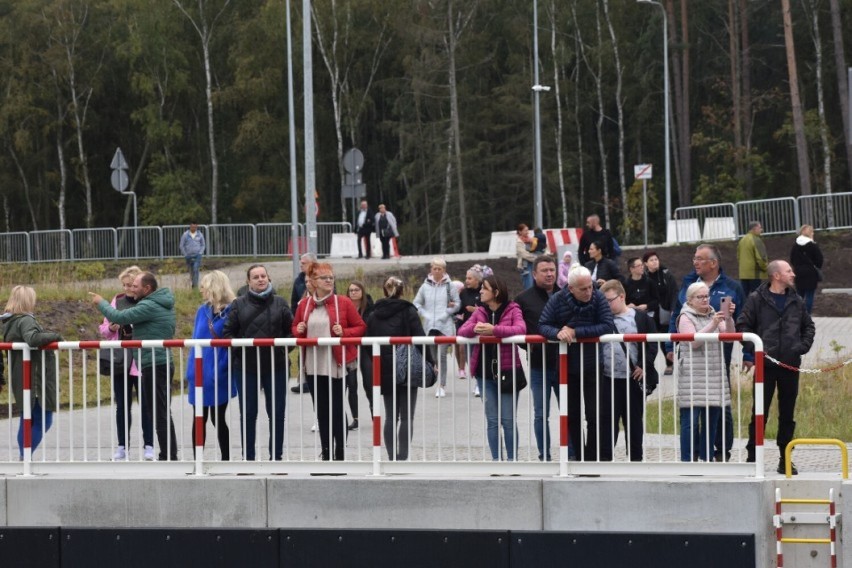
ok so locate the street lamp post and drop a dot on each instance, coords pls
(666, 108)
(537, 88)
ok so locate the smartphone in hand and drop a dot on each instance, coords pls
(725, 305)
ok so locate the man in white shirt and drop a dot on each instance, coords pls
(364, 228)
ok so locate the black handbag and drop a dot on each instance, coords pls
(512, 380)
(111, 362)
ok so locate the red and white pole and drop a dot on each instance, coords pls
(759, 419)
(563, 409)
(199, 411)
(377, 413)
(27, 412)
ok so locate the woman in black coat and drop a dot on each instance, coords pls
(806, 260)
(363, 302)
(602, 268)
(393, 316)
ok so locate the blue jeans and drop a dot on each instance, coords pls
(808, 297)
(507, 411)
(541, 406)
(38, 429)
(696, 428)
(193, 262)
(527, 278)
(248, 411)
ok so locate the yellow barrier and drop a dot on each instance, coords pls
(844, 453)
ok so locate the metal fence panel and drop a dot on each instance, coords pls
(171, 238)
(274, 239)
(231, 240)
(94, 244)
(324, 232)
(712, 221)
(48, 246)
(14, 247)
(140, 242)
(777, 216)
(832, 211)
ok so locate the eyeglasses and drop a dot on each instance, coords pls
(611, 300)
(701, 259)
(702, 297)
(324, 278)
(354, 290)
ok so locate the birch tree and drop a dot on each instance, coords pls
(796, 102)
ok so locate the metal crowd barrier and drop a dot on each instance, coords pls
(449, 434)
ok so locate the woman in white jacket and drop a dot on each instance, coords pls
(437, 301)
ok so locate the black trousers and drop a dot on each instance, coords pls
(364, 240)
(156, 396)
(329, 398)
(629, 401)
(786, 382)
(216, 415)
(598, 398)
(385, 246)
(367, 375)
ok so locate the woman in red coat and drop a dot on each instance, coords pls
(326, 314)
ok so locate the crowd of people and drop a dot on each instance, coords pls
(562, 300)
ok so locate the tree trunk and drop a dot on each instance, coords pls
(558, 97)
(579, 204)
(747, 119)
(601, 114)
(452, 43)
(823, 124)
(619, 103)
(796, 102)
(842, 87)
(734, 61)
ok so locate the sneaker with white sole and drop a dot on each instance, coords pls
(148, 455)
(315, 427)
(476, 392)
(120, 454)
(462, 374)
(440, 393)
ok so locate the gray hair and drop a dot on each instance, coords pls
(309, 256)
(577, 273)
(694, 288)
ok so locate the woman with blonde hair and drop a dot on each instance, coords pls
(124, 378)
(20, 325)
(217, 385)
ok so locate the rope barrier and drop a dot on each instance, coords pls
(808, 371)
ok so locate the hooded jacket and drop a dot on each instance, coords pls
(393, 317)
(787, 334)
(805, 258)
(25, 328)
(432, 303)
(153, 317)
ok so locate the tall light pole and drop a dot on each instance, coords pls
(291, 113)
(537, 89)
(666, 108)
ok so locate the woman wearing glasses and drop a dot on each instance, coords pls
(702, 387)
(326, 314)
(364, 304)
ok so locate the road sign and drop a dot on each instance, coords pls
(358, 191)
(119, 178)
(353, 160)
(643, 171)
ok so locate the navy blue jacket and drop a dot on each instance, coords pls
(588, 319)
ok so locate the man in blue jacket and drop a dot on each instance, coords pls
(578, 312)
(707, 266)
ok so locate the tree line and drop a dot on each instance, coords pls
(437, 95)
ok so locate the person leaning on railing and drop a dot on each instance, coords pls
(20, 325)
(363, 302)
(122, 385)
(392, 316)
(496, 317)
(703, 390)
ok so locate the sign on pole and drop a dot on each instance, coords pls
(643, 171)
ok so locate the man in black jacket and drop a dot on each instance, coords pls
(364, 227)
(778, 315)
(544, 368)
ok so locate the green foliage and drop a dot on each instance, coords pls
(89, 270)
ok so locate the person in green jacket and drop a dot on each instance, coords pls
(21, 326)
(752, 257)
(153, 317)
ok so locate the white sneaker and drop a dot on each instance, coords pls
(315, 427)
(120, 454)
(476, 392)
(462, 374)
(148, 456)
(440, 393)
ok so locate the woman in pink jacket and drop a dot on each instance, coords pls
(326, 314)
(497, 317)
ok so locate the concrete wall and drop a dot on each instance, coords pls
(700, 505)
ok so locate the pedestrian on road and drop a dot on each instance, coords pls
(192, 246)
(437, 300)
(364, 228)
(385, 227)
(806, 260)
(752, 258)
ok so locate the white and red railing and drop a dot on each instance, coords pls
(449, 433)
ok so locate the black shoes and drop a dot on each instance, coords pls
(783, 471)
(300, 388)
(353, 425)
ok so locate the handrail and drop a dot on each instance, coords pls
(844, 453)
